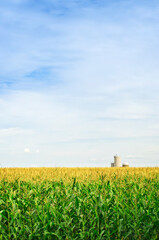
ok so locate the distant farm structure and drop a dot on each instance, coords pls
(117, 162)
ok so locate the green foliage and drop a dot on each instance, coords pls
(126, 208)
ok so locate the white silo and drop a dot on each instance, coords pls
(117, 161)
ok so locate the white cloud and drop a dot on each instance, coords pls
(93, 159)
(27, 150)
(14, 131)
(134, 156)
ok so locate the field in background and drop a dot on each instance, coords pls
(79, 203)
(81, 174)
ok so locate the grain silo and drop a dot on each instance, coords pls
(117, 161)
(112, 164)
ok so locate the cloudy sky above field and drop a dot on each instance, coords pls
(79, 82)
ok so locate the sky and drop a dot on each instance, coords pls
(79, 83)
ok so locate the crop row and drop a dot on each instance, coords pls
(119, 208)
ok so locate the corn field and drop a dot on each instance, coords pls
(79, 203)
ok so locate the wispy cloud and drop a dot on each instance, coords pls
(13, 131)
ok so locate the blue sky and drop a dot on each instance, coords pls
(79, 82)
